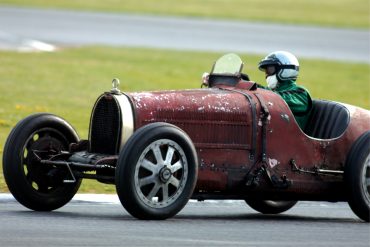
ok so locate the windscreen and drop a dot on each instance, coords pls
(229, 64)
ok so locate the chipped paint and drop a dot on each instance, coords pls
(285, 117)
(273, 162)
(188, 100)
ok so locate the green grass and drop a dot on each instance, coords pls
(67, 82)
(338, 13)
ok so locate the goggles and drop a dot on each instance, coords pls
(273, 69)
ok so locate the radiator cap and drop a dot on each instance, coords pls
(115, 84)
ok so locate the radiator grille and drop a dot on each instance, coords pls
(105, 128)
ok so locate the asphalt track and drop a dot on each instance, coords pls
(91, 220)
(27, 29)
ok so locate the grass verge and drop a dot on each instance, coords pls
(68, 82)
(338, 13)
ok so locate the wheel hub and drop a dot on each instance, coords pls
(165, 174)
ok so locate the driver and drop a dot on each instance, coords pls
(281, 69)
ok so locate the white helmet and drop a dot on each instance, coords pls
(285, 63)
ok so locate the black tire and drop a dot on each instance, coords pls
(357, 177)
(270, 207)
(38, 187)
(156, 172)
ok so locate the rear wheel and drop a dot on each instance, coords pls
(37, 186)
(270, 207)
(156, 172)
(357, 177)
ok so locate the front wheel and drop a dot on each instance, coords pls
(36, 186)
(357, 177)
(156, 172)
(270, 207)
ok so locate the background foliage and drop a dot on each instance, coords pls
(68, 82)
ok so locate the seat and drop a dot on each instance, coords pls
(327, 120)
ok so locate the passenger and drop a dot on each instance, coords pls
(281, 69)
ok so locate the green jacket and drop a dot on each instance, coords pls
(297, 98)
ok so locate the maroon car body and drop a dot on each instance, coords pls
(231, 140)
(220, 123)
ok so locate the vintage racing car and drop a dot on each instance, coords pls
(230, 140)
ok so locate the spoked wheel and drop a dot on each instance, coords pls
(357, 177)
(35, 185)
(160, 181)
(270, 207)
(156, 172)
